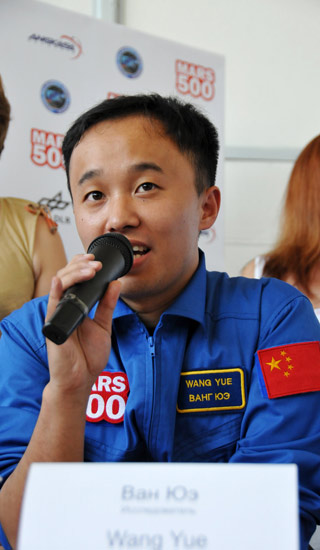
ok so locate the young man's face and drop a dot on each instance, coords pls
(126, 176)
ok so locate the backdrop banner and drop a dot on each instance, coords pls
(55, 64)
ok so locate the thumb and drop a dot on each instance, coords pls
(55, 294)
(104, 312)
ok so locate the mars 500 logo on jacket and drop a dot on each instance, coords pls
(108, 398)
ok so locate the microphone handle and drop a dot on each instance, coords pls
(78, 300)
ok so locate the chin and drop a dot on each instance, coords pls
(136, 291)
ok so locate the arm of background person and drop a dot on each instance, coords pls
(48, 257)
(248, 270)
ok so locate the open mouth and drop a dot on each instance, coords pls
(139, 250)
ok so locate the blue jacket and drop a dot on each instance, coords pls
(192, 392)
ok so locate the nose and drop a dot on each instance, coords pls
(122, 213)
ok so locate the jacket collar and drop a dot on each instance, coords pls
(190, 303)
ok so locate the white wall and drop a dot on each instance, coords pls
(272, 52)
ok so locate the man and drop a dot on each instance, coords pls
(144, 166)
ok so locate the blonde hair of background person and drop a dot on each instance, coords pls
(44, 253)
(296, 255)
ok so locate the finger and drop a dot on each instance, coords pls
(104, 312)
(78, 270)
(76, 260)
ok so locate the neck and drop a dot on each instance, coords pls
(149, 317)
(150, 303)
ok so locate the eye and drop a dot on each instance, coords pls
(94, 196)
(145, 187)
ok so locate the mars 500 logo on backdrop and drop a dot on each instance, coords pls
(195, 80)
(46, 148)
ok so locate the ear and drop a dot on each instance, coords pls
(209, 207)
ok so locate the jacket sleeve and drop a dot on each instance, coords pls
(23, 376)
(286, 429)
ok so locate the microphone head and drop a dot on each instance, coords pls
(118, 241)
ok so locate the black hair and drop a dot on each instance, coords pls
(188, 128)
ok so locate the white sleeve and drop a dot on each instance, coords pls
(259, 262)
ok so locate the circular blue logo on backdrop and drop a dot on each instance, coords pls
(129, 62)
(55, 96)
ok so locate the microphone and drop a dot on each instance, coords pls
(116, 254)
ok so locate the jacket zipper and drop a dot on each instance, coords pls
(152, 354)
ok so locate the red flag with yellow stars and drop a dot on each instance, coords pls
(291, 369)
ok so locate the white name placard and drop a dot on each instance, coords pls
(152, 506)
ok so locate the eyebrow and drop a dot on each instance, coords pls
(90, 174)
(139, 167)
(144, 166)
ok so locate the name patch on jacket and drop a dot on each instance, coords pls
(290, 369)
(108, 398)
(211, 390)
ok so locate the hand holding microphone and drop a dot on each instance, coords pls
(115, 253)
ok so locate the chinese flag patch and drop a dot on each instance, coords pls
(291, 369)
